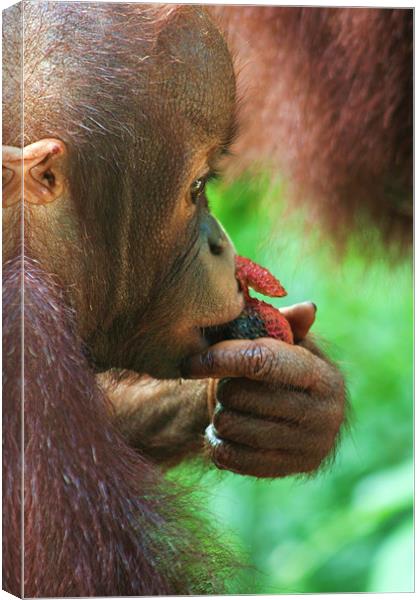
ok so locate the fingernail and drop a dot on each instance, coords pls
(315, 306)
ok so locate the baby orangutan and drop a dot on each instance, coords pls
(128, 110)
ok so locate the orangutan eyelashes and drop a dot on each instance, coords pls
(197, 189)
(198, 186)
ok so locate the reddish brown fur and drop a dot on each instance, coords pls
(12, 429)
(328, 100)
(78, 472)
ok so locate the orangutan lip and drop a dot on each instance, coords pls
(217, 325)
(229, 315)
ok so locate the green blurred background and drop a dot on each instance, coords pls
(350, 528)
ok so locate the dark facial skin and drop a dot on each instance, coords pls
(154, 267)
(195, 285)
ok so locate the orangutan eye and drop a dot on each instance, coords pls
(197, 189)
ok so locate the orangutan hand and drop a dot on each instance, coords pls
(279, 407)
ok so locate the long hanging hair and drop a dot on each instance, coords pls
(328, 104)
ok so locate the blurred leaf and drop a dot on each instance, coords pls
(393, 565)
(385, 492)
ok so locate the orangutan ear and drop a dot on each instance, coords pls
(40, 165)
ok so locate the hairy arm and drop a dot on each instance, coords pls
(164, 420)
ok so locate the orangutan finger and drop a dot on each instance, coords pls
(301, 318)
(272, 402)
(264, 359)
(258, 463)
(283, 435)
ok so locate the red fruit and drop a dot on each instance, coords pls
(251, 275)
(259, 279)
